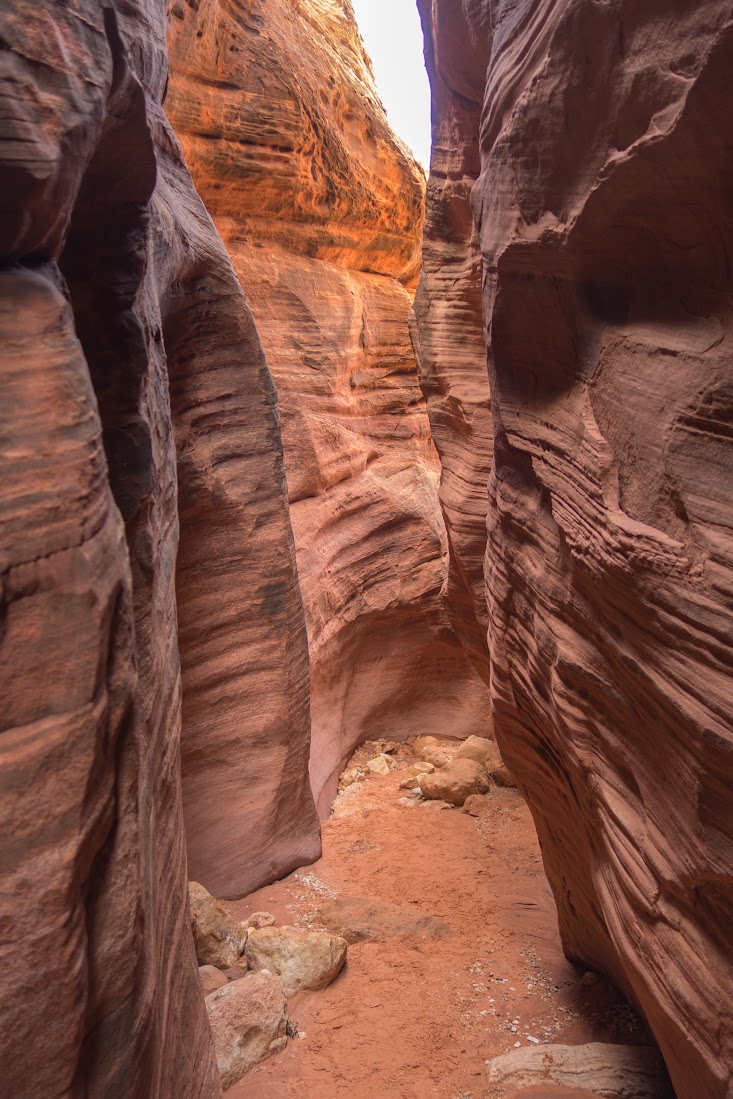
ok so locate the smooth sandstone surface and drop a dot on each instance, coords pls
(96, 936)
(320, 208)
(604, 220)
(447, 328)
(135, 398)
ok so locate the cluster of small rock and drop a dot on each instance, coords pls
(448, 773)
(248, 971)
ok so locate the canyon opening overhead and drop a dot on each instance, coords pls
(366, 545)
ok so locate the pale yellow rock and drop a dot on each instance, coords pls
(422, 742)
(437, 756)
(219, 939)
(259, 919)
(380, 765)
(456, 782)
(422, 767)
(301, 959)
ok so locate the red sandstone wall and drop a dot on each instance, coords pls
(320, 208)
(120, 314)
(604, 218)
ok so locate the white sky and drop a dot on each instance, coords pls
(393, 37)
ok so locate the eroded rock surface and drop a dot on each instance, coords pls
(219, 940)
(127, 349)
(321, 210)
(605, 225)
(248, 1021)
(301, 959)
(611, 1071)
(447, 327)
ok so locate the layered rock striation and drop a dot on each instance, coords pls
(447, 323)
(320, 208)
(133, 391)
(605, 224)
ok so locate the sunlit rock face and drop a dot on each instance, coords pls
(321, 210)
(604, 218)
(120, 312)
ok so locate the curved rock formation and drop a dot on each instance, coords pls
(115, 286)
(320, 208)
(447, 326)
(606, 227)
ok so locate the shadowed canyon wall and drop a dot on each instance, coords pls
(320, 208)
(125, 337)
(447, 324)
(606, 228)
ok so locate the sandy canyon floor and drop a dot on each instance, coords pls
(418, 1013)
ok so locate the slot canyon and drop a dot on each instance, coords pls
(366, 553)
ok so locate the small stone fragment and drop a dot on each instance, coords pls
(380, 765)
(301, 959)
(476, 805)
(211, 978)
(260, 919)
(409, 783)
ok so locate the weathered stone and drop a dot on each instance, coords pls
(211, 978)
(422, 742)
(486, 752)
(359, 919)
(615, 1072)
(219, 939)
(248, 1023)
(455, 782)
(301, 959)
(380, 765)
(259, 919)
(436, 756)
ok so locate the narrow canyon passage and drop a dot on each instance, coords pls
(309, 457)
(455, 955)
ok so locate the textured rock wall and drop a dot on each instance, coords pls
(320, 208)
(447, 325)
(603, 209)
(112, 293)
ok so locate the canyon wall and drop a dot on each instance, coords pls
(127, 349)
(447, 323)
(606, 228)
(321, 210)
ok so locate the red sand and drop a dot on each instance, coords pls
(413, 1018)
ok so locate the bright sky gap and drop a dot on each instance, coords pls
(393, 37)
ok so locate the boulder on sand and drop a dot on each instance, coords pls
(248, 1022)
(455, 782)
(219, 939)
(301, 959)
(486, 752)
